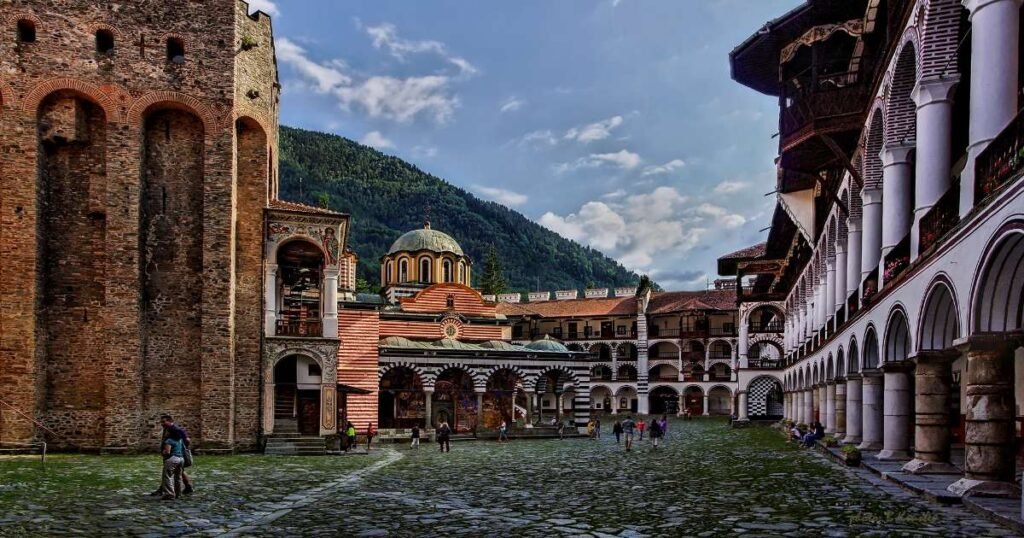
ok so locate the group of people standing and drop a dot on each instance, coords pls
(629, 428)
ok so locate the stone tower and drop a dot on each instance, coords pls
(137, 156)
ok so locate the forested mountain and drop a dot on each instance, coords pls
(387, 197)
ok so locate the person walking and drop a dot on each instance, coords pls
(561, 430)
(350, 436)
(173, 450)
(503, 432)
(167, 425)
(628, 427)
(444, 437)
(655, 433)
(641, 426)
(370, 432)
(415, 437)
(590, 429)
(664, 426)
(597, 428)
(617, 430)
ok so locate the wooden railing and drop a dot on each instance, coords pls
(765, 364)
(1000, 161)
(896, 261)
(775, 326)
(940, 219)
(300, 327)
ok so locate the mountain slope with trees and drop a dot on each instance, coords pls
(387, 197)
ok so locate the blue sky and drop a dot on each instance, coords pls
(611, 122)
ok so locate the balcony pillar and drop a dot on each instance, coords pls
(898, 405)
(428, 399)
(933, 173)
(330, 327)
(840, 287)
(735, 363)
(990, 463)
(829, 305)
(830, 407)
(817, 403)
(706, 408)
(840, 429)
(808, 417)
(270, 299)
(933, 380)
(743, 344)
(871, 410)
(853, 409)
(853, 258)
(897, 193)
(741, 413)
(871, 239)
(995, 27)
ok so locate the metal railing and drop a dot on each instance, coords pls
(1000, 161)
(940, 219)
(774, 326)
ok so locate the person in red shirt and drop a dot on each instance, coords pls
(370, 432)
(641, 427)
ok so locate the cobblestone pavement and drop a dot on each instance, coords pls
(706, 480)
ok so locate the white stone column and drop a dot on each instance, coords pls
(898, 412)
(743, 344)
(330, 321)
(829, 305)
(270, 299)
(853, 409)
(871, 410)
(706, 404)
(830, 407)
(428, 399)
(853, 258)
(840, 292)
(933, 173)
(871, 239)
(840, 429)
(741, 413)
(707, 362)
(995, 27)
(735, 363)
(897, 192)
(808, 407)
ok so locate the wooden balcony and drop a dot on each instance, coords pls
(297, 327)
(824, 104)
(940, 219)
(896, 261)
(1001, 161)
(769, 327)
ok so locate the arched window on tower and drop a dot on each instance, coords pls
(175, 50)
(104, 41)
(447, 270)
(26, 31)
(425, 270)
(389, 275)
(462, 273)
(403, 271)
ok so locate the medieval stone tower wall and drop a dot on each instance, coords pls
(137, 152)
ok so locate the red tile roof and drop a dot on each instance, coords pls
(676, 301)
(612, 306)
(294, 206)
(753, 251)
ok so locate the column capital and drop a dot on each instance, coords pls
(989, 342)
(896, 154)
(935, 356)
(934, 90)
(975, 6)
(897, 367)
(870, 372)
(871, 196)
(853, 377)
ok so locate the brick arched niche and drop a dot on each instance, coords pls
(324, 352)
(72, 259)
(252, 166)
(171, 211)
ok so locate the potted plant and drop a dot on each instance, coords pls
(830, 441)
(851, 455)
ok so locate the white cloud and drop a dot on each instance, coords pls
(614, 195)
(326, 77)
(377, 140)
(635, 229)
(729, 187)
(385, 36)
(512, 104)
(624, 159)
(722, 216)
(266, 6)
(402, 99)
(502, 196)
(594, 131)
(424, 151)
(666, 168)
(545, 138)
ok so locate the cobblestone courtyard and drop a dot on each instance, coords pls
(707, 480)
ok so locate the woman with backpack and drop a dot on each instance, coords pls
(444, 434)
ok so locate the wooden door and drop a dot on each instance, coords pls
(309, 412)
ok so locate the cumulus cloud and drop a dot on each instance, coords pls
(385, 36)
(511, 104)
(635, 229)
(731, 186)
(666, 168)
(502, 196)
(377, 140)
(721, 215)
(624, 159)
(594, 131)
(536, 138)
(266, 6)
(398, 99)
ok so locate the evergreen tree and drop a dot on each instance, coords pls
(493, 281)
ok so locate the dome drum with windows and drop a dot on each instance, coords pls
(424, 257)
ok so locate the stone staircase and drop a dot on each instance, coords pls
(287, 441)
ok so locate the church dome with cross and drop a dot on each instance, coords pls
(425, 256)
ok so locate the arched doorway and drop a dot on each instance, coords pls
(601, 400)
(764, 398)
(664, 400)
(297, 381)
(627, 372)
(402, 402)
(719, 401)
(626, 400)
(504, 399)
(693, 400)
(454, 400)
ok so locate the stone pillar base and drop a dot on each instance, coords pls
(851, 440)
(917, 466)
(870, 446)
(966, 487)
(890, 455)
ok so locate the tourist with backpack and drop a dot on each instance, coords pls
(444, 435)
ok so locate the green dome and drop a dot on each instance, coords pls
(547, 344)
(426, 239)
